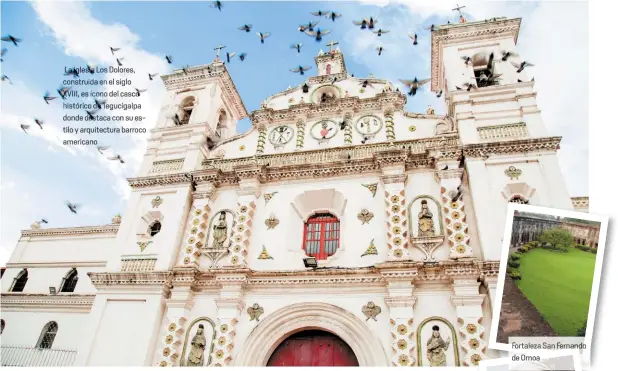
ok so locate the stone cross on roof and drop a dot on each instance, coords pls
(218, 49)
(461, 17)
(331, 45)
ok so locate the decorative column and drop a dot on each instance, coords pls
(230, 305)
(197, 225)
(261, 139)
(300, 133)
(392, 164)
(468, 305)
(390, 124)
(400, 302)
(347, 132)
(248, 193)
(178, 307)
(453, 208)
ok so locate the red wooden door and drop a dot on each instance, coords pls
(313, 348)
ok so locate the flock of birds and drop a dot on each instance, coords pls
(487, 77)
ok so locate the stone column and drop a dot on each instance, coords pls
(197, 224)
(248, 193)
(178, 307)
(230, 305)
(468, 305)
(400, 302)
(454, 212)
(491, 282)
(390, 124)
(261, 139)
(300, 133)
(347, 133)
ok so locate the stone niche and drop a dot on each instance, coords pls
(425, 217)
(229, 221)
(204, 342)
(445, 348)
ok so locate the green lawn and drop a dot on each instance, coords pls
(559, 286)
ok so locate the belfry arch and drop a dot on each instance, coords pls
(280, 325)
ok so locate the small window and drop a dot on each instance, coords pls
(47, 335)
(20, 281)
(321, 236)
(2, 323)
(518, 200)
(69, 281)
(186, 110)
(155, 228)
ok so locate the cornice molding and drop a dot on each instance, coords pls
(547, 144)
(72, 231)
(57, 264)
(47, 303)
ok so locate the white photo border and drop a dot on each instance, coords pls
(512, 207)
(544, 355)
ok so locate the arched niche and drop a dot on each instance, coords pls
(331, 92)
(216, 220)
(147, 220)
(283, 323)
(223, 125)
(414, 210)
(186, 109)
(424, 333)
(208, 333)
(518, 190)
(319, 201)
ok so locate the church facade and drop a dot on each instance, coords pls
(339, 230)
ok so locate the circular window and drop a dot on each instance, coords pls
(154, 228)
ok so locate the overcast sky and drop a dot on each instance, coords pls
(39, 174)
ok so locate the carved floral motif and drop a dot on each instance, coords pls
(255, 311)
(371, 310)
(513, 172)
(264, 254)
(365, 216)
(372, 187)
(371, 250)
(156, 202)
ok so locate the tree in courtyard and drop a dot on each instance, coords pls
(559, 238)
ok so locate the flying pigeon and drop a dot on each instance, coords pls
(113, 49)
(48, 97)
(216, 4)
(242, 56)
(380, 49)
(366, 23)
(63, 90)
(366, 83)
(520, 66)
(296, 46)
(90, 68)
(301, 69)
(72, 207)
(246, 27)
(506, 55)
(380, 31)
(151, 75)
(11, 38)
(116, 157)
(118, 61)
(102, 148)
(2, 53)
(39, 122)
(139, 92)
(43, 221)
(414, 38)
(263, 35)
(333, 15)
(439, 94)
(318, 34)
(467, 60)
(6, 78)
(99, 103)
(414, 85)
(72, 71)
(321, 13)
(24, 127)
(469, 86)
(307, 27)
(230, 56)
(168, 58)
(91, 113)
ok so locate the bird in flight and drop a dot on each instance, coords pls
(63, 90)
(380, 31)
(102, 148)
(318, 34)
(48, 97)
(380, 49)
(301, 69)
(151, 75)
(139, 92)
(39, 122)
(90, 68)
(507, 54)
(520, 66)
(414, 38)
(308, 27)
(366, 23)
(414, 85)
(118, 61)
(12, 39)
(263, 35)
(216, 4)
(72, 72)
(99, 103)
(230, 56)
(321, 13)
(168, 58)
(2, 53)
(296, 46)
(116, 157)
(366, 83)
(439, 94)
(113, 49)
(333, 15)
(242, 56)
(73, 207)
(467, 60)
(246, 27)
(6, 78)
(24, 127)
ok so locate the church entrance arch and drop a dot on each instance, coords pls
(313, 348)
(282, 325)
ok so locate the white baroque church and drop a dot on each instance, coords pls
(339, 230)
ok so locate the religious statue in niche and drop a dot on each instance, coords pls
(219, 232)
(327, 97)
(425, 221)
(198, 345)
(436, 348)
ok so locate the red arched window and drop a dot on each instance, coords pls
(321, 238)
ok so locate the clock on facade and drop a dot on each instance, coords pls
(280, 135)
(368, 125)
(324, 130)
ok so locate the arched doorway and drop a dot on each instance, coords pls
(313, 348)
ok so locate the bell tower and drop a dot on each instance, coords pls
(331, 65)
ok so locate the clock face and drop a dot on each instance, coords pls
(324, 130)
(281, 135)
(368, 125)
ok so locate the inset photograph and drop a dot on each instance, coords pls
(549, 278)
